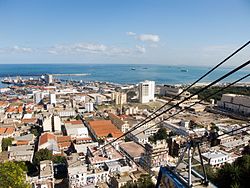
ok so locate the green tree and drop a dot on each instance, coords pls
(144, 181)
(6, 142)
(12, 175)
(246, 150)
(160, 135)
(78, 117)
(36, 130)
(109, 135)
(59, 159)
(234, 175)
(41, 155)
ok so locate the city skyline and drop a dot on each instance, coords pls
(124, 32)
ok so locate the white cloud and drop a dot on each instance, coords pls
(92, 48)
(21, 49)
(131, 33)
(141, 49)
(148, 37)
(78, 49)
(16, 49)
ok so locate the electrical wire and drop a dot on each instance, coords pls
(218, 91)
(199, 79)
(187, 98)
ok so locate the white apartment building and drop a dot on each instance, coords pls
(21, 153)
(57, 124)
(52, 98)
(89, 107)
(49, 78)
(169, 90)
(38, 97)
(146, 91)
(235, 103)
(67, 113)
(47, 124)
(119, 98)
(77, 131)
(216, 158)
(52, 124)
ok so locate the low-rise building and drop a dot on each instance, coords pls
(170, 90)
(28, 139)
(21, 153)
(156, 154)
(46, 176)
(235, 144)
(67, 113)
(216, 158)
(102, 129)
(6, 132)
(141, 135)
(132, 151)
(48, 140)
(235, 103)
(81, 175)
(76, 129)
(119, 123)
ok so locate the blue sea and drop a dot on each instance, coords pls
(122, 73)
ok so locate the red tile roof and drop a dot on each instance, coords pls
(20, 109)
(30, 120)
(6, 130)
(45, 137)
(64, 145)
(22, 142)
(83, 139)
(2, 130)
(103, 128)
(61, 139)
(11, 109)
(74, 122)
(3, 103)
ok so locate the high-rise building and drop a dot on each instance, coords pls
(52, 98)
(47, 124)
(119, 98)
(57, 124)
(38, 97)
(89, 107)
(146, 91)
(48, 78)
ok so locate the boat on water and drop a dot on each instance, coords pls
(132, 68)
(17, 81)
(7, 81)
(184, 70)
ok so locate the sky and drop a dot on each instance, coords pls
(167, 32)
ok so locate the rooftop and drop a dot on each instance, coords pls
(46, 168)
(214, 154)
(133, 149)
(45, 137)
(103, 128)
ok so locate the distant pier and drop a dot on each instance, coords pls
(81, 74)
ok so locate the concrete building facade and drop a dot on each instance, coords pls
(235, 103)
(146, 91)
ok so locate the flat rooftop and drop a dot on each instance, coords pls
(46, 168)
(133, 149)
(236, 143)
(212, 155)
